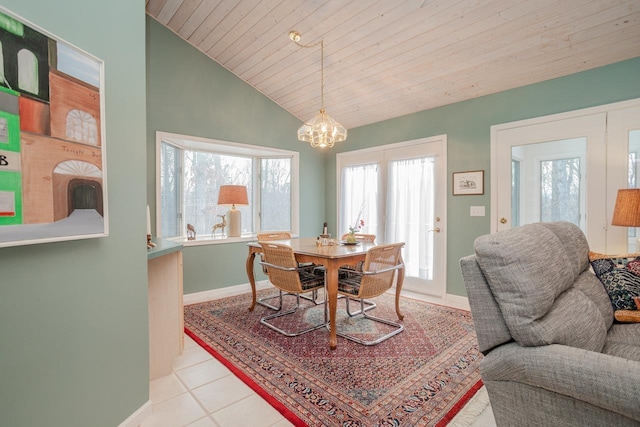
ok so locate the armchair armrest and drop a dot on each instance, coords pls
(602, 380)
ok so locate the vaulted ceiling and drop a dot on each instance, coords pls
(388, 58)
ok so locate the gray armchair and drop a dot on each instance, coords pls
(553, 355)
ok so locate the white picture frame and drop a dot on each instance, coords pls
(52, 139)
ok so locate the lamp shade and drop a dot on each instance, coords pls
(233, 195)
(627, 210)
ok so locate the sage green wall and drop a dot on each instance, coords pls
(467, 126)
(188, 93)
(73, 315)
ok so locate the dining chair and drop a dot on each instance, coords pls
(265, 237)
(347, 269)
(377, 277)
(290, 278)
(280, 235)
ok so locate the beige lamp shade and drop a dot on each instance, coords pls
(627, 210)
(233, 195)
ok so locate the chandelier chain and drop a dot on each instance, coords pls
(321, 43)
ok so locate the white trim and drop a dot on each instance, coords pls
(139, 416)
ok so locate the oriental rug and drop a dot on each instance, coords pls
(421, 377)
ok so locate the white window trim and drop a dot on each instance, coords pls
(228, 147)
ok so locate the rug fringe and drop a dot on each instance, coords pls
(470, 412)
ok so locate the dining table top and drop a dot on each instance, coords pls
(310, 246)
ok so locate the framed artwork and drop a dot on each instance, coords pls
(468, 183)
(52, 144)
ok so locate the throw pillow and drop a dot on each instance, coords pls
(620, 276)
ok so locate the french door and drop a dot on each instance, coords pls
(567, 167)
(397, 192)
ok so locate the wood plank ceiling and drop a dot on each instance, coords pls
(388, 58)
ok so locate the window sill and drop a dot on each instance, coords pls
(208, 240)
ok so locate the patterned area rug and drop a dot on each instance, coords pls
(421, 377)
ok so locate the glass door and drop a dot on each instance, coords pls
(398, 193)
(551, 171)
(568, 167)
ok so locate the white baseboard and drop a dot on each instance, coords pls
(450, 300)
(139, 416)
(228, 291)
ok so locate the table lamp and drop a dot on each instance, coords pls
(626, 213)
(233, 195)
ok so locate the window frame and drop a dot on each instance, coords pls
(256, 152)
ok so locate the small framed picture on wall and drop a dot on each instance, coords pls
(468, 183)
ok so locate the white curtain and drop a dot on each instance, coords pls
(360, 199)
(410, 218)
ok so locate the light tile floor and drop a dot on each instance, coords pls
(202, 392)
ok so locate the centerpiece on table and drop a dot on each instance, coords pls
(351, 237)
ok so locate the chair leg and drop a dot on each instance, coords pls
(293, 310)
(398, 328)
(262, 301)
(370, 306)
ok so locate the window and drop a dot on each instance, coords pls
(82, 126)
(560, 190)
(191, 171)
(27, 71)
(515, 192)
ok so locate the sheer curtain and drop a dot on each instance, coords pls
(410, 207)
(360, 199)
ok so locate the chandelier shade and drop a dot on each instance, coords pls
(323, 131)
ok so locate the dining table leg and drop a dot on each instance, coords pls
(332, 293)
(252, 280)
(399, 289)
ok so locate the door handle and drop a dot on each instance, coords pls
(437, 230)
(503, 220)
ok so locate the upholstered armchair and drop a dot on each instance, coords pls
(553, 354)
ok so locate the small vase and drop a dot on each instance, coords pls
(351, 238)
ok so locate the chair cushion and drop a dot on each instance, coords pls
(309, 280)
(349, 284)
(623, 340)
(620, 276)
(531, 275)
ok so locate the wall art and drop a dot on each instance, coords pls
(52, 144)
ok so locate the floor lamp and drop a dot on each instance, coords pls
(233, 195)
(627, 210)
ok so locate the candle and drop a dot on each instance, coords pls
(148, 221)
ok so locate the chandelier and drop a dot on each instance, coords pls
(322, 130)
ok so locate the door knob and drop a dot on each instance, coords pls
(437, 230)
(503, 220)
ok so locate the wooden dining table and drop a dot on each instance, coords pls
(331, 257)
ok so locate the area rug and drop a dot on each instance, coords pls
(421, 377)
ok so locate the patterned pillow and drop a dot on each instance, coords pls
(620, 276)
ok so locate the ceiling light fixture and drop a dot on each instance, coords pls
(321, 131)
